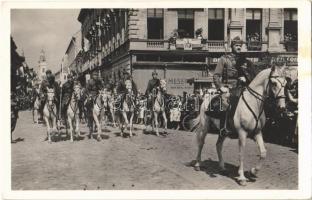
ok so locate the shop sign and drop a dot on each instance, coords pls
(177, 85)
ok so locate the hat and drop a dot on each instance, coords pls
(236, 40)
(48, 72)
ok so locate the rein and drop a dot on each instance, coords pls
(73, 99)
(260, 97)
(96, 102)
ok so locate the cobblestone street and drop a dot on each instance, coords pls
(142, 162)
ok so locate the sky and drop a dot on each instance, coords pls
(47, 29)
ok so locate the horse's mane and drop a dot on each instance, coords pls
(261, 75)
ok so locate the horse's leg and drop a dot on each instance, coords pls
(126, 121)
(48, 129)
(96, 118)
(77, 129)
(260, 143)
(113, 117)
(219, 147)
(165, 121)
(242, 136)
(70, 123)
(156, 122)
(200, 138)
(89, 116)
(131, 119)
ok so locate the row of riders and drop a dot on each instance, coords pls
(235, 110)
(70, 102)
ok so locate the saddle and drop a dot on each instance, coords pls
(221, 104)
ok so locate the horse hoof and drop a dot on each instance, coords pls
(253, 172)
(197, 168)
(242, 182)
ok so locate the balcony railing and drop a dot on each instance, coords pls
(155, 44)
(291, 46)
(254, 45)
(150, 44)
(215, 46)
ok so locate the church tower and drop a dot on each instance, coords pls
(42, 66)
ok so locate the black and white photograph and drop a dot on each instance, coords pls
(156, 98)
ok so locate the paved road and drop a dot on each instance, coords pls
(142, 162)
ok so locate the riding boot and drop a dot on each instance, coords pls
(224, 131)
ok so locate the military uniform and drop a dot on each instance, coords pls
(122, 90)
(67, 90)
(93, 88)
(236, 69)
(49, 83)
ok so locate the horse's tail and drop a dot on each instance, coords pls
(195, 125)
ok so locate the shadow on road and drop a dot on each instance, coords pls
(211, 168)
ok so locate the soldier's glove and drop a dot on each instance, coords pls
(242, 79)
(223, 90)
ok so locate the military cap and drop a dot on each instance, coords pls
(48, 72)
(236, 40)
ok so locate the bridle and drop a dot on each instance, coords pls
(75, 99)
(50, 107)
(262, 98)
(101, 99)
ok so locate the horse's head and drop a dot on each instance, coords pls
(128, 84)
(50, 96)
(277, 83)
(77, 92)
(102, 95)
(163, 85)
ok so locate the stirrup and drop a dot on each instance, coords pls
(224, 132)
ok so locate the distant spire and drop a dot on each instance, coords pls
(42, 56)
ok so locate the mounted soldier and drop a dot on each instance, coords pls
(49, 82)
(67, 90)
(236, 67)
(93, 87)
(152, 84)
(121, 86)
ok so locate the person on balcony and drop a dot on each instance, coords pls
(236, 67)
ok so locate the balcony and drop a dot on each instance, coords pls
(254, 45)
(215, 45)
(150, 44)
(155, 44)
(291, 46)
(188, 44)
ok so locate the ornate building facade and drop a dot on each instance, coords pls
(180, 44)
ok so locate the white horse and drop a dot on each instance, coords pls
(50, 113)
(97, 112)
(249, 117)
(36, 107)
(109, 106)
(73, 112)
(128, 108)
(159, 107)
